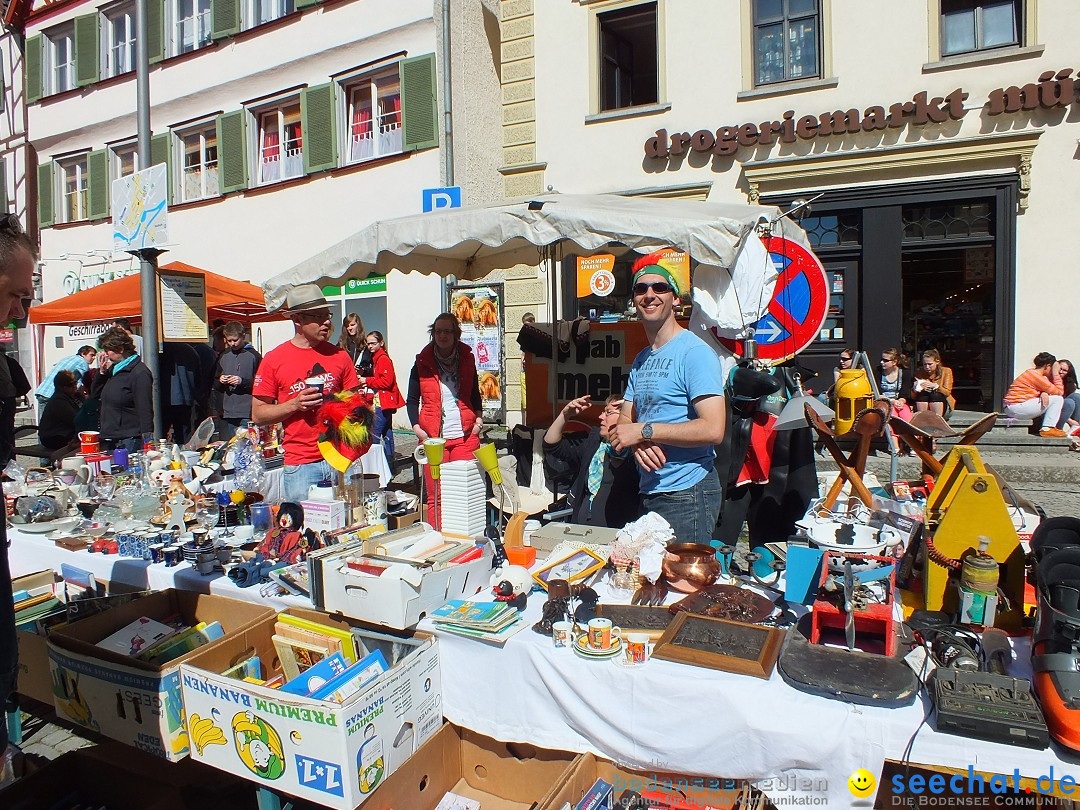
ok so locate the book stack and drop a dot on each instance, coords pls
(493, 622)
(462, 499)
(334, 680)
(36, 603)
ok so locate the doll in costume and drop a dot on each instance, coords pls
(288, 541)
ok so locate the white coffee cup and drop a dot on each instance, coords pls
(562, 633)
(637, 648)
(602, 635)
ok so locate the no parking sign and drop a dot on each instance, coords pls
(798, 306)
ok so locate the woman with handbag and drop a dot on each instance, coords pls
(388, 399)
(444, 397)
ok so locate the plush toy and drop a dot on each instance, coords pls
(348, 418)
(288, 541)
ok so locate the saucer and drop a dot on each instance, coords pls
(582, 647)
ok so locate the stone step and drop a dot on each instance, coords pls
(1057, 468)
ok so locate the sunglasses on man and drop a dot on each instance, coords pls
(658, 287)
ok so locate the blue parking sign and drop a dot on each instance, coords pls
(436, 198)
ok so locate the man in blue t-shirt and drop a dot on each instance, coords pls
(673, 411)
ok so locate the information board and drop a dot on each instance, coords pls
(182, 314)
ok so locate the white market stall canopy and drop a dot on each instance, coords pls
(471, 242)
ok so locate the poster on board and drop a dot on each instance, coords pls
(479, 310)
(182, 314)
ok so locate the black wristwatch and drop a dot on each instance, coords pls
(646, 430)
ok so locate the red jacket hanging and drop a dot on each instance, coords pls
(384, 381)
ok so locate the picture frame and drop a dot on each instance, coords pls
(745, 649)
(573, 567)
(637, 618)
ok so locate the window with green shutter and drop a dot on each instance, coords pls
(46, 212)
(87, 49)
(98, 182)
(317, 106)
(155, 30)
(232, 151)
(224, 18)
(373, 115)
(161, 152)
(419, 105)
(33, 68)
(3, 188)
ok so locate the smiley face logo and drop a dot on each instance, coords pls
(861, 783)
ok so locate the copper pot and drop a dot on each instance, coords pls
(688, 567)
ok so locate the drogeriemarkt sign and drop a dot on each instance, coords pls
(1051, 90)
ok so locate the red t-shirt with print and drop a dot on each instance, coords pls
(281, 376)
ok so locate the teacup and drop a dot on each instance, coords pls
(602, 635)
(637, 648)
(562, 633)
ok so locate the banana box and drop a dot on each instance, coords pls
(331, 754)
(126, 699)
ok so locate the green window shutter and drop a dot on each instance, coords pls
(98, 181)
(3, 191)
(232, 151)
(161, 152)
(155, 30)
(224, 18)
(419, 106)
(317, 106)
(32, 69)
(87, 49)
(46, 214)
(305, 3)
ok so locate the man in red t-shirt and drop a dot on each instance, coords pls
(291, 383)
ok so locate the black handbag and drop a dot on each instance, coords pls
(535, 338)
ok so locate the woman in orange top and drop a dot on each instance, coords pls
(1038, 392)
(933, 385)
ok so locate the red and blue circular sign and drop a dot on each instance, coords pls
(797, 310)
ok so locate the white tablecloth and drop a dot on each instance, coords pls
(666, 716)
(29, 553)
(372, 462)
(663, 716)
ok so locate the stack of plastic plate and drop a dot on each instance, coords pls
(463, 499)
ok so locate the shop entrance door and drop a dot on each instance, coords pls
(950, 294)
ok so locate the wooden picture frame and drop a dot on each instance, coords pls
(573, 567)
(745, 649)
(637, 618)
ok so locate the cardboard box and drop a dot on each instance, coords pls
(83, 779)
(501, 776)
(129, 700)
(699, 791)
(324, 516)
(401, 521)
(34, 680)
(333, 754)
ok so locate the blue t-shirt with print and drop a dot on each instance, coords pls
(663, 386)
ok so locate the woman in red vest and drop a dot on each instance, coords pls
(444, 397)
(387, 395)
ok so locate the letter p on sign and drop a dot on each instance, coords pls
(436, 198)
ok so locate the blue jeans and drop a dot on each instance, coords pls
(691, 512)
(300, 477)
(384, 432)
(1070, 409)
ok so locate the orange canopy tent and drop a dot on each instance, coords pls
(121, 298)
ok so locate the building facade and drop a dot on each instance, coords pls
(285, 126)
(936, 138)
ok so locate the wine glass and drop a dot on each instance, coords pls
(104, 486)
(238, 497)
(206, 512)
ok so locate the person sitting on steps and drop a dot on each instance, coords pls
(1038, 392)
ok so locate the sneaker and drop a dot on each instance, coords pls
(1048, 432)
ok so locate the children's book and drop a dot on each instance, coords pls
(353, 679)
(332, 643)
(298, 656)
(248, 668)
(183, 643)
(137, 636)
(316, 675)
(344, 636)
